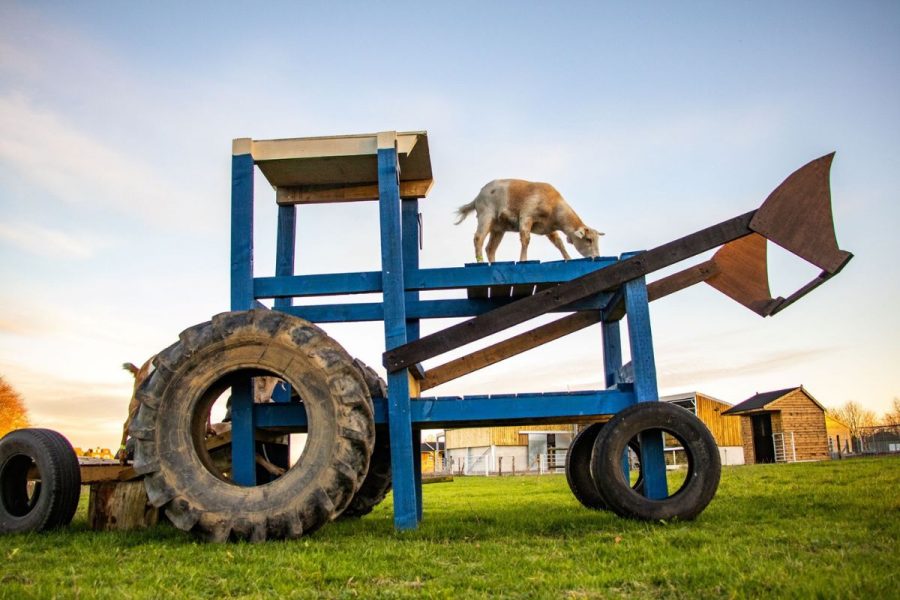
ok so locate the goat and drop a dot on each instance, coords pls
(262, 392)
(526, 206)
(139, 376)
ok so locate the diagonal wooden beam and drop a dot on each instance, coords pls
(533, 306)
(507, 348)
(680, 280)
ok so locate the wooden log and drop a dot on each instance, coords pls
(120, 506)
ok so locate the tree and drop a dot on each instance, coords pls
(13, 414)
(855, 417)
(892, 416)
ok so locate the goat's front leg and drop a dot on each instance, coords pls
(524, 237)
(557, 241)
(493, 243)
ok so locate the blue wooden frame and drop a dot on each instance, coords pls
(400, 282)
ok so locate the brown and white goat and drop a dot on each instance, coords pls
(263, 387)
(527, 207)
(139, 376)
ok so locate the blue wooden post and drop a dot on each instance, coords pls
(241, 232)
(400, 422)
(410, 224)
(243, 452)
(640, 341)
(612, 351)
(285, 248)
(612, 363)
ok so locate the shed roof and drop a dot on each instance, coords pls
(760, 400)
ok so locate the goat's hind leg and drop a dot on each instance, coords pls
(493, 243)
(481, 232)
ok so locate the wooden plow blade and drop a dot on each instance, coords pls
(796, 216)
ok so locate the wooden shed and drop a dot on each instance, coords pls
(782, 426)
(726, 431)
(513, 449)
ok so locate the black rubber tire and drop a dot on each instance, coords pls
(55, 498)
(192, 373)
(578, 468)
(377, 484)
(704, 465)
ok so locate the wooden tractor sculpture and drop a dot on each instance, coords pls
(362, 436)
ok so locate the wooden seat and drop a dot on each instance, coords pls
(337, 169)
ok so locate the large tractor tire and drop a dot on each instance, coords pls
(377, 483)
(704, 465)
(192, 373)
(39, 504)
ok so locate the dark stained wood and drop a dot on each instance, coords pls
(743, 274)
(797, 216)
(507, 348)
(566, 293)
(120, 506)
(680, 280)
(320, 194)
(477, 292)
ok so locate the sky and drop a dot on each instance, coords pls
(653, 121)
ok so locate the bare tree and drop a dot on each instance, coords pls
(855, 417)
(13, 414)
(892, 416)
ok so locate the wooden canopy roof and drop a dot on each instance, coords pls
(338, 168)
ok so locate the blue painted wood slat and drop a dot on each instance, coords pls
(241, 232)
(400, 424)
(640, 340)
(285, 248)
(461, 411)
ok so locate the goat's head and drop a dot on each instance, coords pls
(586, 241)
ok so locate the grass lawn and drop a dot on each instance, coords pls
(828, 529)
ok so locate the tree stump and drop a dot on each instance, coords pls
(120, 506)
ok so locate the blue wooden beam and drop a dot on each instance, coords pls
(243, 434)
(653, 463)
(483, 274)
(469, 411)
(242, 232)
(285, 248)
(423, 309)
(400, 424)
(612, 351)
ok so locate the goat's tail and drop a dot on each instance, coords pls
(463, 211)
(131, 368)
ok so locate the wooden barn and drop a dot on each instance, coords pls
(514, 449)
(782, 426)
(711, 411)
(542, 448)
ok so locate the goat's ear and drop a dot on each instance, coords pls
(579, 233)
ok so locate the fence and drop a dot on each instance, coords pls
(881, 439)
(785, 449)
(553, 461)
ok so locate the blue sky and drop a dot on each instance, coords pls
(116, 122)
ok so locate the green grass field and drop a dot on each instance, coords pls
(804, 530)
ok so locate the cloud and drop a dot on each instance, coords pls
(694, 371)
(80, 169)
(50, 243)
